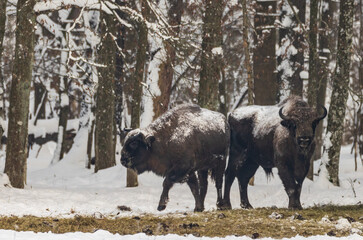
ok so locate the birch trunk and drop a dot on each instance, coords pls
(340, 90)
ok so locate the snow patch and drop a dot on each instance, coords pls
(266, 118)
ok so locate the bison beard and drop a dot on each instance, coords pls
(280, 136)
(182, 142)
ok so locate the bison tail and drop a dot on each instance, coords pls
(269, 173)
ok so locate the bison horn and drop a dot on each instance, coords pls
(323, 115)
(282, 115)
(127, 129)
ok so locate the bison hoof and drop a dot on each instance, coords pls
(161, 207)
(246, 206)
(198, 209)
(224, 206)
(296, 207)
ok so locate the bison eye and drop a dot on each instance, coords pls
(133, 145)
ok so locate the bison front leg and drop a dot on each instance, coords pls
(292, 187)
(194, 187)
(164, 198)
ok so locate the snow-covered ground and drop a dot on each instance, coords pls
(67, 189)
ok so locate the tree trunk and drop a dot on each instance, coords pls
(325, 37)
(90, 143)
(360, 113)
(211, 73)
(39, 101)
(291, 52)
(314, 63)
(16, 153)
(166, 71)
(141, 56)
(246, 47)
(340, 90)
(105, 99)
(313, 54)
(266, 86)
(63, 90)
(2, 24)
(2, 33)
(119, 71)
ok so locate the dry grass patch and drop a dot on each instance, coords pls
(262, 222)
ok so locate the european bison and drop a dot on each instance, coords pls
(181, 142)
(279, 136)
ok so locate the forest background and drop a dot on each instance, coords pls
(111, 65)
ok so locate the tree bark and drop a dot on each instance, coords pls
(2, 24)
(2, 33)
(141, 56)
(40, 96)
(340, 90)
(105, 99)
(16, 153)
(360, 113)
(211, 74)
(314, 63)
(266, 86)
(246, 47)
(119, 71)
(166, 71)
(326, 37)
(313, 54)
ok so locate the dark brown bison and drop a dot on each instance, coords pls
(181, 142)
(279, 136)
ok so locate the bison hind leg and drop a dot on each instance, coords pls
(194, 187)
(217, 176)
(203, 183)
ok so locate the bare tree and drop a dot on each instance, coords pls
(340, 91)
(16, 153)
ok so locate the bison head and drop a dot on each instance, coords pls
(301, 123)
(136, 150)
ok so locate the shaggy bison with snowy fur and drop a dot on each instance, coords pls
(182, 142)
(279, 136)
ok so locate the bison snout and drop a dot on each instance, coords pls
(304, 141)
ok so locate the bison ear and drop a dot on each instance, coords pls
(149, 141)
